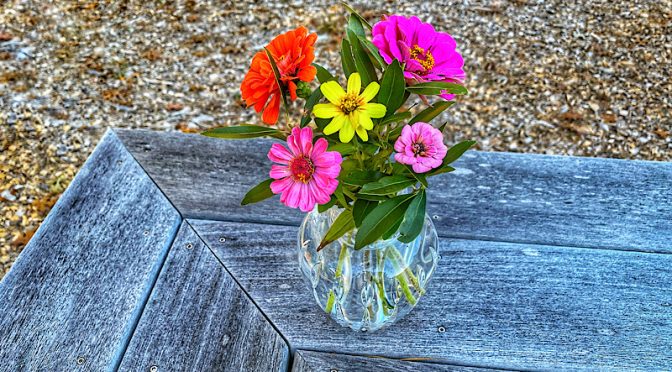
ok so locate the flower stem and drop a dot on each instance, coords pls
(330, 301)
(341, 260)
(380, 283)
(401, 277)
(414, 279)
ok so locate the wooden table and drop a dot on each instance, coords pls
(148, 263)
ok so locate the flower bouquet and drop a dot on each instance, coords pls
(358, 161)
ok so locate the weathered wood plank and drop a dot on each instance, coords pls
(502, 305)
(583, 202)
(311, 361)
(199, 319)
(73, 297)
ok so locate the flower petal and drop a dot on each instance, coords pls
(306, 140)
(370, 91)
(354, 83)
(293, 195)
(319, 147)
(361, 132)
(326, 110)
(375, 110)
(279, 154)
(282, 185)
(347, 132)
(279, 171)
(335, 125)
(365, 120)
(332, 91)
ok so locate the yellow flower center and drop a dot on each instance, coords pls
(302, 168)
(350, 102)
(425, 58)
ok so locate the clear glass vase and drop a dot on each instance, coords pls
(369, 288)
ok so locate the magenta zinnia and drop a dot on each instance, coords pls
(306, 173)
(427, 55)
(420, 146)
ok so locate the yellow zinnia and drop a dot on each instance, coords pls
(351, 111)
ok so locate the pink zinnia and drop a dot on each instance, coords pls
(420, 146)
(306, 174)
(427, 55)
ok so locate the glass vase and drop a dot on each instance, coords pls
(369, 288)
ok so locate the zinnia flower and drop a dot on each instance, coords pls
(306, 173)
(293, 54)
(427, 55)
(351, 111)
(420, 146)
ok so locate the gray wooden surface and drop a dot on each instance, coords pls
(312, 361)
(547, 263)
(503, 305)
(525, 198)
(199, 319)
(72, 299)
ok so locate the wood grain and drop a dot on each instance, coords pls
(525, 198)
(76, 291)
(199, 319)
(502, 305)
(312, 361)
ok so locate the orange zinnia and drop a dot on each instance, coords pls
(293, 54)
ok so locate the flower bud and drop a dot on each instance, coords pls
(303, 89)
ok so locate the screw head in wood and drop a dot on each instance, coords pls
(189, 246)
(81, 360)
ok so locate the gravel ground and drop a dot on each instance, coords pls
(586, 78)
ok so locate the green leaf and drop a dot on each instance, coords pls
(360, 177)
(414, 218)
(355, 25)
(399, 116)
(433, 88)
(341, 225)
(361, 208)
(391, 86)
(348, 165)
(278, 80)
(346, 58)
(338, 193)
(445, 169)
(362, 62)
(314, 98)
(388, 234)
(322, 123)
(386, 185)
(323, 75)
(431, 112)
(384, 217)
(373, 51)
(258, 193)
(456, 151)
(396, 132)
(324, 207)
(243, 132)
(342, 148)
(359, 17)
(418, 176)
